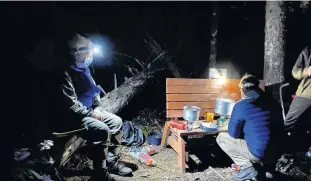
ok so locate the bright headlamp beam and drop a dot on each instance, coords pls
(96, 50)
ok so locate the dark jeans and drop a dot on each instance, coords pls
(298, 122)
(97, 131)
(298, 107)
(100, 134)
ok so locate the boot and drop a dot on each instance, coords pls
(113, 156)
(98, 153)
(243, 174)
(117, 167)
(101, 172)
(102, 175)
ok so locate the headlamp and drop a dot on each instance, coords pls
(96, 49)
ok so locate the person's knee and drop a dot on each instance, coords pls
(96, 130)
(223, 141)
(117, 122)
(93, 124)
(220, 138)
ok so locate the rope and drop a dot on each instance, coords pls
(68, 133)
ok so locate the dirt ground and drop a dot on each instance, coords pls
(166, 159)
(166, 169)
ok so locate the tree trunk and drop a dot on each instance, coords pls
(117, 99)
(214, 34)
(174, 70)
(274, 45)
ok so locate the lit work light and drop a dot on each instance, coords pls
(219, 74)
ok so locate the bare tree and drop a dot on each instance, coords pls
(274, 44)
(214, 33)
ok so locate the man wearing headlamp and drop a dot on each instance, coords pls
(102, 129)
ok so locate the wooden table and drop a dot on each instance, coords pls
(174, 138)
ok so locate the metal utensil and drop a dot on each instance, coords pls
(191, 113)
(224, 106)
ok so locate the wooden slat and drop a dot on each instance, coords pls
(201, 89)
(200, 97)
(203, 82)
(193, 89)
(180, 105)
(199, 92)
(179, 113)
(173, 143)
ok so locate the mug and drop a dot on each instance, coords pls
(209, 116)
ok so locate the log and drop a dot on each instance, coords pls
(117, 99)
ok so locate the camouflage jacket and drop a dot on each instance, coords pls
(303, 61)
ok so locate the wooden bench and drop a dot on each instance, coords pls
(197, 92)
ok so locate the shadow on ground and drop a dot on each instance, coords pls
(208, 154)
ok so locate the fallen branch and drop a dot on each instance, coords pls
(145, 176)
(157, 49)
(137, 60)
(149, 65)
(158, 57)
(135, 70)
(130, 70)
(101, 89)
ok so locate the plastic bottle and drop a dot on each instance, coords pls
(221, 121)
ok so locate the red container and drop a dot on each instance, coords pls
(177, 124)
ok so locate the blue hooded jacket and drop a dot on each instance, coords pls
(85, 86)
(251, 120)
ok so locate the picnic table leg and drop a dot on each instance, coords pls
(181, 154)
(165, 135)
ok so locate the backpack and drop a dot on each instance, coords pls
(132, 134)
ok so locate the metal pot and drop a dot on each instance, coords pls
(191, 113)
(224, 106)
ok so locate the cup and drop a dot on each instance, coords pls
(209, 117)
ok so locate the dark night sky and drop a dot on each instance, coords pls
(241, 32)
(240, 40)
(240, 43)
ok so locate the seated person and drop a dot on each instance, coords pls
(250, 138)
(77, 95)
